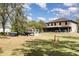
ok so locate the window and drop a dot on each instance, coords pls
(51, 24)
(65, 23)
(59, 23)
(47, 24)
(54, 23)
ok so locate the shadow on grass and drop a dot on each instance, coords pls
(45, 47)
(69, 37)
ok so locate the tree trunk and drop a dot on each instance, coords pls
(3, 24)
(4, 29)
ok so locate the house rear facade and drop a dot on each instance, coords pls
(61, 25)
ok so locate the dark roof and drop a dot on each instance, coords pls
(62, 20)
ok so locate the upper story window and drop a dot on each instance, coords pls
(59, 23)
(55, 24)
(51, 24)
(47, 24)
(65, 23)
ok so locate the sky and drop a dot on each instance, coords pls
(51, 11)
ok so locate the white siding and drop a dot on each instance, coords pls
(73, 27)
(6, 30)
(7, 27)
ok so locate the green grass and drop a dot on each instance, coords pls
(69, 37)
(68, 45)
(46, 47)
(42, 45)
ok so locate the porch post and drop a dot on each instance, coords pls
(68, 30)
(59, 30)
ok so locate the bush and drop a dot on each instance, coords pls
(2, 33)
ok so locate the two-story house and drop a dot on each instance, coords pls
(61, 25)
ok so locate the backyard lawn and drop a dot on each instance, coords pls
(43, 45)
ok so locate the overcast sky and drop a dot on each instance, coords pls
(51, 11)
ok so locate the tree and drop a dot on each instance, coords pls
(19, 22)
(41, 25)
(37, 25)
(13, 12)
(3, 14)
(19, 25)
(33, 24)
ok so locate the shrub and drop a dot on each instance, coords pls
(2, 33)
